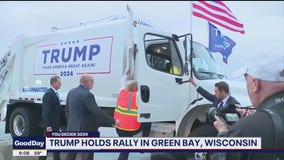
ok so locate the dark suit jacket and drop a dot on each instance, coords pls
(82, 111)
(51, 110)
(212, 98)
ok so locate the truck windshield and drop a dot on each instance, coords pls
(204, 65)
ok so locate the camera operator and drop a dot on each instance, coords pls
(265, 86)
(221, 98)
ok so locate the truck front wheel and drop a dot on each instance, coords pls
(188, 128)
(19, 123)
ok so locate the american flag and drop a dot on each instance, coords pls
(218, 13)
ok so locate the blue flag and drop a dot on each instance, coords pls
(220, 43)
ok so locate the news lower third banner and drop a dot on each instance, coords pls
(86, 141)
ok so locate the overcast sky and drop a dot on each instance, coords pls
(263, 22)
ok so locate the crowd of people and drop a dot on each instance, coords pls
(265, 86)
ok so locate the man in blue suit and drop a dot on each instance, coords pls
(52, 113)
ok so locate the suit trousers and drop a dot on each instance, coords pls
(84, 155)
(56, 155)
(145, 128)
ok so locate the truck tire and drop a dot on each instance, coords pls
(187, 124)
(186, 128)
(20, 122)
(204, 130)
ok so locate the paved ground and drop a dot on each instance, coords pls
(6, 146)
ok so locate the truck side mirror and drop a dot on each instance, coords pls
(175, 37)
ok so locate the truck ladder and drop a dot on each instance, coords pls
(102, 20)
(5, 82)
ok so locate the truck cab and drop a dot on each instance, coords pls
(167, 62)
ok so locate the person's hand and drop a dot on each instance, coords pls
(240, 110)
(245, 112)
(192, 81)
(220, 125)
(127, 71)
(48, 129)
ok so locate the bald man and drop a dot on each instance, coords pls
(83, 113)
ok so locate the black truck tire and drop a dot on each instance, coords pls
(23, 122)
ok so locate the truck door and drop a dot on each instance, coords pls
(158, 68)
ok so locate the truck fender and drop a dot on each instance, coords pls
(185, 123)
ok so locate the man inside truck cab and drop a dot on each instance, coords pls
(173, 69)
(161, 58)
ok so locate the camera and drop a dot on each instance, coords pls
(228, 113)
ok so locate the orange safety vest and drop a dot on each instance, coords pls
(126, 111)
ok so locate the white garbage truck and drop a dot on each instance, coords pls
(158, 60)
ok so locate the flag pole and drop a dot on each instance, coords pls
(191, 49)
(208, 33)
(190, 15)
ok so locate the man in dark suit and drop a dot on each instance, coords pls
(221, 98)
(51, 111)
(83, 113)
